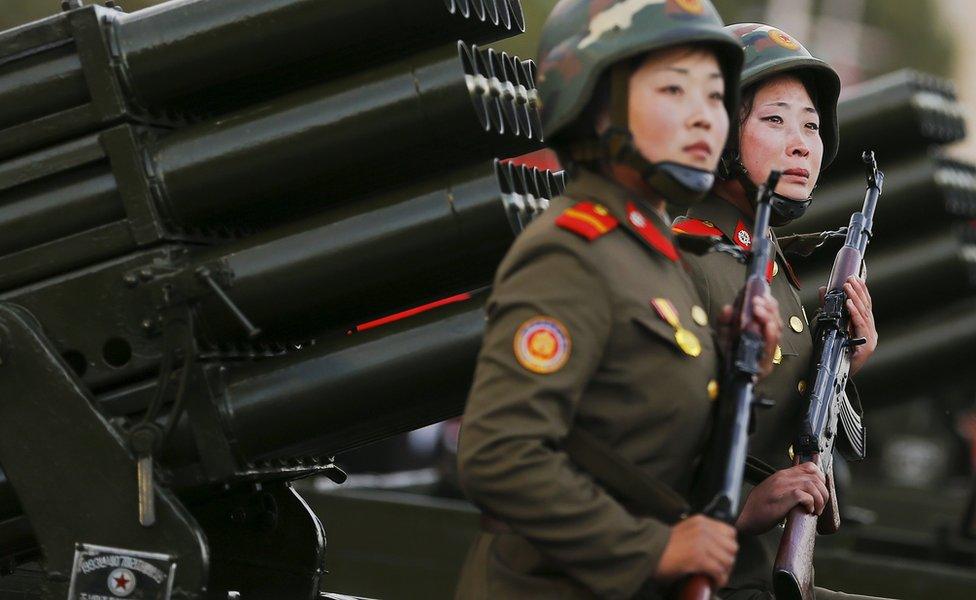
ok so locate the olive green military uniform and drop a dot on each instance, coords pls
(619, 374)
(718, 278)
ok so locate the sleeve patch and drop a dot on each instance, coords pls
(542, 345)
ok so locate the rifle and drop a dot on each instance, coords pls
(729, 447)
(828, 403)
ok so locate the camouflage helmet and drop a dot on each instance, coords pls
(581, 39)
(769, 51)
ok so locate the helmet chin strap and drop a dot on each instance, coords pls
(678, 184)
(785, 210)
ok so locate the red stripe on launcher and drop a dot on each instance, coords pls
(410, 312)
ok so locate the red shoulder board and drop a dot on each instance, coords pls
(689, 226)
(587, 220)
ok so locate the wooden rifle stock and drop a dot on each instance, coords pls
(793, 569)
(696, 587)
(829, 521)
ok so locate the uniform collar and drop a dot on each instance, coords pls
(644, 223)
(735, 226)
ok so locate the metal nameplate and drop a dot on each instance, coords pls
(104, 573)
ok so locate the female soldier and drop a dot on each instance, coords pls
(594, 329)
(787, 122)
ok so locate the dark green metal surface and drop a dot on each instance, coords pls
(441, 114)
(64, 408)
(331, 397)
(370, 386)
(180, 47)
(271, 162)
(322, 275)
(899, 115)
(923, 352)
(182, 60)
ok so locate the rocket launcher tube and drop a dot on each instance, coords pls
(272, 161)
(323, 399)
(79, 71)
(181, 47)
(320, 274)
(373, 257)
(447, 113)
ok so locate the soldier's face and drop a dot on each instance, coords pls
(676, 108)
(783, 132)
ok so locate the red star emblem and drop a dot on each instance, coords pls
(121, 582)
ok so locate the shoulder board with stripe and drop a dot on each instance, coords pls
(587, 220)
(689, 226)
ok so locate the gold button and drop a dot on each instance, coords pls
(801, 386)
(796, 324)
(698, 315)
(775, 268)
(778, 356)
(600, 210)
(791, 453)
(712, 390)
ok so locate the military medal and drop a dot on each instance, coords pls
(686, 340)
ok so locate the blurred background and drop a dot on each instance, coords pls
(909, 72)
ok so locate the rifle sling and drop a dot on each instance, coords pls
(757, 470)
(623, 479)
(631, 485)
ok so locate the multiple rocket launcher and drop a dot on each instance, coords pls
(198, 203)
(230, 166)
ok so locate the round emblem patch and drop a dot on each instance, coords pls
(542, 345)
(744, 237)
(783, 40)
(692, 6)
(121, 582)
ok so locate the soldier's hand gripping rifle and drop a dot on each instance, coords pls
(729, 444)
(828, 403)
